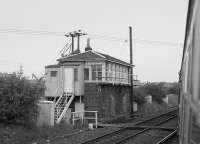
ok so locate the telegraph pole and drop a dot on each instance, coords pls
(131, 71)
(78, 43)
(79, 33)
(21, 71)
(74, 35)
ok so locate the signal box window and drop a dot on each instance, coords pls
(97, 72)
(75, 74)
(86, 74)
(53, 73)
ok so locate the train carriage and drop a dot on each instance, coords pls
(189, 101)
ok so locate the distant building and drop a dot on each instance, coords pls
(89, 81)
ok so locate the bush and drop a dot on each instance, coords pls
(138, 95)
(18, 99)
(156, 91)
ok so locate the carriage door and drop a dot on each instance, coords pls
(69, 80)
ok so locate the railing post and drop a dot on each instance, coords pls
(73, 119)
(82, 117)
(56, 114)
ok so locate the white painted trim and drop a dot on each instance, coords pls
(69, 56)
(114, 61)
(129, 65)
(75, 54)
(98, 54)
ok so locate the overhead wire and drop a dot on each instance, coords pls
(136, 40)
(152, 42)
(31, 32)
(67, 48)
(94, 36)
(62, 51)
(111, 38)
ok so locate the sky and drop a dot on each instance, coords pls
(151, 20)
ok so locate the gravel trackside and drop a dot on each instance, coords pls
(84, 136)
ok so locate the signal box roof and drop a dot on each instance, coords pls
(92, 56)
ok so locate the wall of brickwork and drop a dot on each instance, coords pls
(109, 100)
(91, 97)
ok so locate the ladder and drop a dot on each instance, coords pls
(62, 105)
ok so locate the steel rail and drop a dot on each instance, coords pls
(165, 139)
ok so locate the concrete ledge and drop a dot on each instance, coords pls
(46, 113)
(45, 101)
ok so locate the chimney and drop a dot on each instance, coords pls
(88, 48)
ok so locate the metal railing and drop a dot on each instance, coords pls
(81, 115)
(113, 76)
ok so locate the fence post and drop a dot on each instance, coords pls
(96, 119)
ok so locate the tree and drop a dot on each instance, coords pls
(18, 99)
(138, 95)
(174, 89)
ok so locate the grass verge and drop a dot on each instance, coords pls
(17, 134)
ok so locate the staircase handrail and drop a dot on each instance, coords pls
(65, 109)
(60, 98)
(60, 107)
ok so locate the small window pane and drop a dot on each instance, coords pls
(99, 67)
(86, 74)
(93, 72)
(53, 73)
(99, 75)
(75, 74)
(113, 67)
(97, 72)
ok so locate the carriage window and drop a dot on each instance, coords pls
(53, 73)
(86, 73)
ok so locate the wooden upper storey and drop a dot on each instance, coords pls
(98, 67)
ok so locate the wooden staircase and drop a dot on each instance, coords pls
(62, 105)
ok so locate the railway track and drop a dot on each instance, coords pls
(125, 134)
(162, 117)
